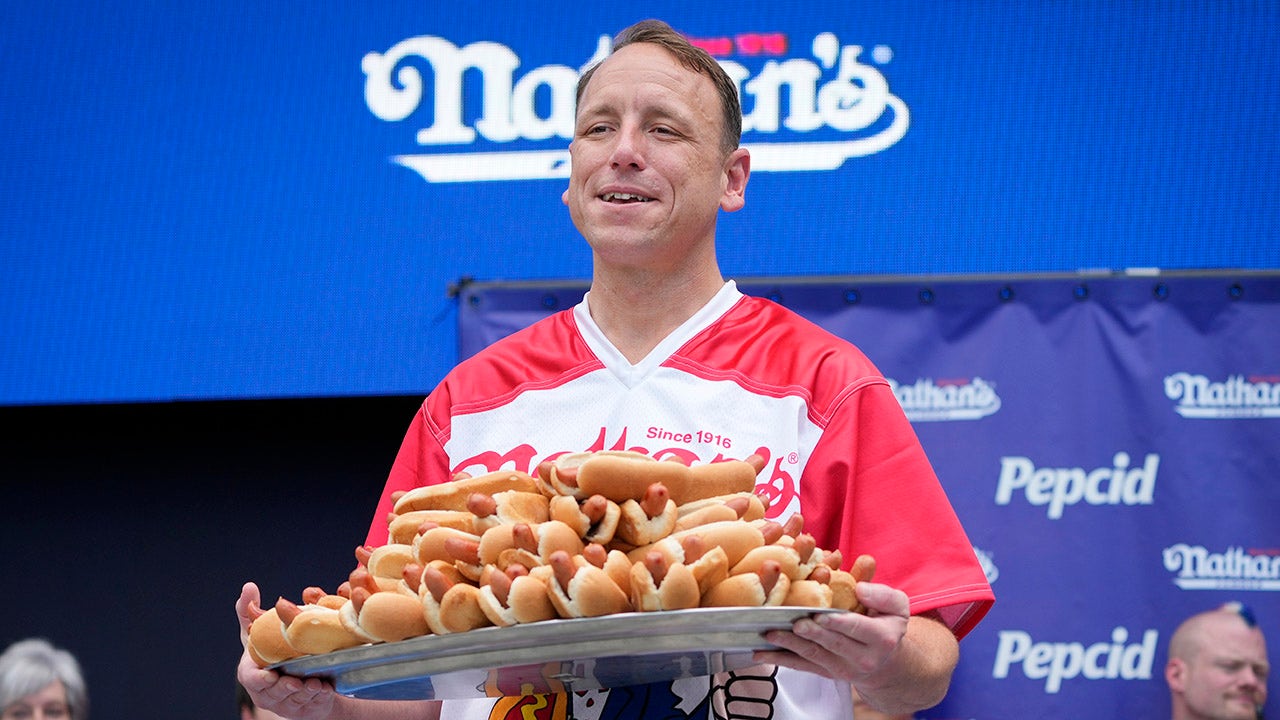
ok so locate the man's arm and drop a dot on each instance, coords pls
(897, 662)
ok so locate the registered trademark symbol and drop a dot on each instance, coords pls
(793, 458)
(882, 54)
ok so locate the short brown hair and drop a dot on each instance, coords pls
(691, 56)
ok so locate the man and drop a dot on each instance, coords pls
(662, 341)
(1217, 667)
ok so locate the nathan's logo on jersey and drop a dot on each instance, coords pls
(777, 484)
(1058, 488)
(475, 100)
(928, 399)
(1232, 569)
(1235, 397)
(1056, 662)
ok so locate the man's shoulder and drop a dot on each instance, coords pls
(772, 349)
(768, 334)
(539, 354)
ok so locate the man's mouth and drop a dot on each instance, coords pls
(624, 198)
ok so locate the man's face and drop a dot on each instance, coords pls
(649, 173)
(1227, 678)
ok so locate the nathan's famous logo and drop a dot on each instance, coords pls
(927, 399)
(1123, 657)
(777, 485)
(834, 90)
(1058, 488)
(1232, 569)
(1235, 397)
(988, 564)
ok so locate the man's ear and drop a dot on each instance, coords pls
(1175, 673)
(737, 170)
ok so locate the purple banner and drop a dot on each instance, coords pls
(1110, 442)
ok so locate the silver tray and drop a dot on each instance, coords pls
(553, 655)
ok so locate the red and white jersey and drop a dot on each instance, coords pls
(742, 376)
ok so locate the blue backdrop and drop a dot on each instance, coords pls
(1109, 443)
(238, 200)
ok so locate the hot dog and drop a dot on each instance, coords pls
(767, 587)
(404, 527)
(266, 643)
(433, 543)
(453, 495)
(448, 603)
(384, 616)
(658, 585)
(526, 544)
(580, 589)
(386, 564)
(736, 538)
(812, 592)
(615, 564)
(738, 506)
(314, 628)
(517, 595)
(595, 519)
(622, 475)
(507, 508)
(648, 519)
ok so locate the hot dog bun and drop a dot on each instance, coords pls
(580, 589)
(386, 616)
(768, 587)
(453, 495)
(518, 595)
(737, 506)
(622, 476)
(648, 519)
(595, 519)
(266, 642)
(656, 585)
(314, 629)
(402, 528)
(449, 605)
(507, 508)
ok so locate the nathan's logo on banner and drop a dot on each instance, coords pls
(988, 565)
(1119, 484)
(1235, 397)
(837, 105)
(929, 400)
(1233, 569)
(1055, 662)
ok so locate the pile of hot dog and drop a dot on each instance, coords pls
(589, 534)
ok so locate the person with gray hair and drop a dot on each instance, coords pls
(39, 681)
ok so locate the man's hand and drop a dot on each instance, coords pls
(898, 663)
(309, 699)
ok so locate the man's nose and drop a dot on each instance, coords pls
(1251, 677)
(628, 149)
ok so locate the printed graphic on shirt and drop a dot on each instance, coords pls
(742, 695)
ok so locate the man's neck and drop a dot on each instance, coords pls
(637, 310)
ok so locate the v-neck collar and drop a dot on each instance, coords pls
(632, 374)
